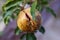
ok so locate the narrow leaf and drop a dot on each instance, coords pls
(11, 4)
(17, 31)
(44, 2)
(7, 20)
(9, 12)
(42, 30)
(39, 8)
(33, 8)
(23, 37)
(8, 15)
(51, 11)
(28, 36)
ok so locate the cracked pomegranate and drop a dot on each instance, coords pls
(25, 21)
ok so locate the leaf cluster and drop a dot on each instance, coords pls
(12, 8)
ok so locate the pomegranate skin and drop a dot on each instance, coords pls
(25, 21)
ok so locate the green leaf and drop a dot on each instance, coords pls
(23, 37)
(8, 1)
(51, 11)
(39, 8)
(10, 12)
(44, 2)
(11, 4)
(17, 31)
(42, 30)
(7, 20)
(10, 7)
(28, 36)
(33, 9)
